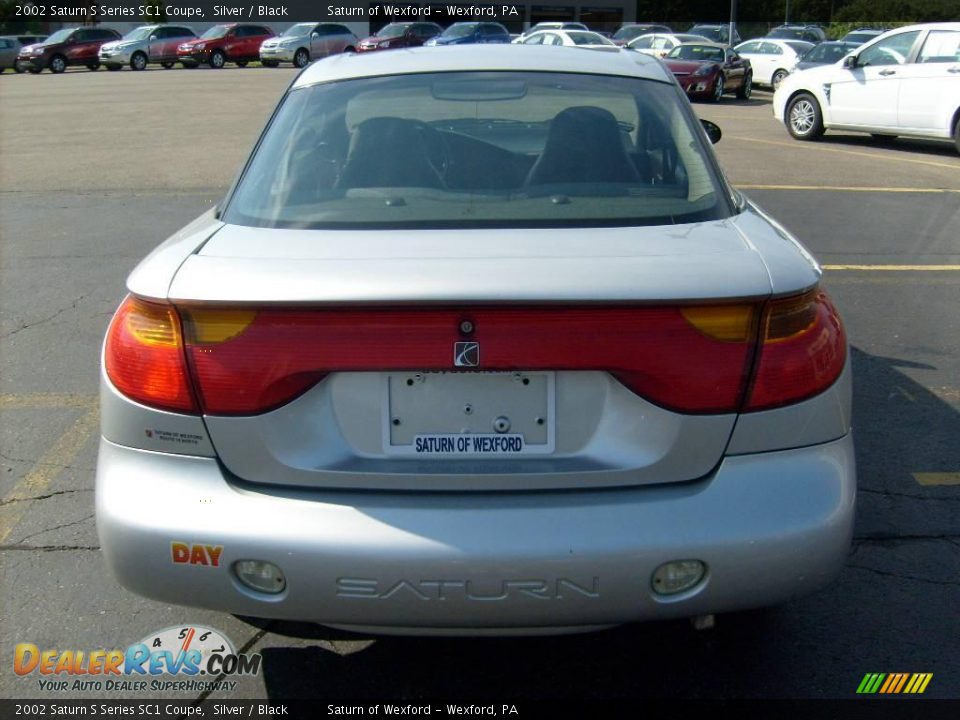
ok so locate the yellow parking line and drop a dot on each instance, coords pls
(844, 188)
(875, 156)
(895, 268)
(59, 455)
(951, 394)
(943, 478)
(22, 401)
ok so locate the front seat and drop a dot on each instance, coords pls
(389, 152)
(584, 145)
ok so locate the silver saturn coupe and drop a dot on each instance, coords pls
(479, 341)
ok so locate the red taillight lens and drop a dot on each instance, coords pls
(144, 356)
(803, 351)
(690, 359)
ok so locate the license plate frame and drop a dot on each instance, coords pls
(525, 398)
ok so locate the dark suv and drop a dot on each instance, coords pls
(808, 33)
(68, 46)
(237, 43)
(716, 32)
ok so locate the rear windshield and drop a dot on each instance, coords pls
(859, 37)
(697, 52)
(480, 149)
(460, 30)
(587, 38)
(714, 33)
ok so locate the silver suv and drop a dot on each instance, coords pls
(145, 44)
(303, 42)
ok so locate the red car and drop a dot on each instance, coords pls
(69, 46)
(708, 70)
(236, 42)
(399, 35)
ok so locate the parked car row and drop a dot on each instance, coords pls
(782, 49)
(167, 45)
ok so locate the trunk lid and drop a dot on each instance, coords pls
(395, 425)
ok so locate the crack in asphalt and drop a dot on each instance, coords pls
(44, 497)
(47, 548)
(893, 493)
(27, 326)
(56, 527)
(902, 576)
(882, 538)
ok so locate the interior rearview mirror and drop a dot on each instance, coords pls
(712, 130)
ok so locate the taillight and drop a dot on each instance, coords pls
(689, 359)
(144, 356)
(802, 352)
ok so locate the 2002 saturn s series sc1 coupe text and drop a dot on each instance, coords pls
(480, 341)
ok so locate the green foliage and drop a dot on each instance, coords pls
(10, 24)
(898, 12)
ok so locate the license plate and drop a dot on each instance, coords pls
(468, 414)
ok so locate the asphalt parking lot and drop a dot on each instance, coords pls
(97, 168)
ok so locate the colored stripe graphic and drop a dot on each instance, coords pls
(870, 683)
(891, 681)
(894, 683)
(901, 682)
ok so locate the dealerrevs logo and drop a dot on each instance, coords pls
(183, 651)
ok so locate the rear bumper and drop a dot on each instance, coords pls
(768, 526)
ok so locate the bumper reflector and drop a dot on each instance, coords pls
(676, 576)
(260, 575)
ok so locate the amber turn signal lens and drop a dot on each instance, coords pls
(206, 326)
(729, 323)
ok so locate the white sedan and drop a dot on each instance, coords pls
(906, 82)
(570, 38)
(659, 44)
(772, 60)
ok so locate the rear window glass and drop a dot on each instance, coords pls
(480, 149)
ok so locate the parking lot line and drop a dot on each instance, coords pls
(843, 188)
(875, 156)
(941, 478)
(46, 468)
(894, 268)
(15, 401)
